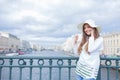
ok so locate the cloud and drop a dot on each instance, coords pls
(44, 21)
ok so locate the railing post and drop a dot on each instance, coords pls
(40, 73)
(69, 68)
(108, 64)
(60, 63)
(20, 73)
(50, 69)
(117, 65)
(20, 63)
(10, 68)
(31, 62)
(99, 74)
(0, 72)
(40, 63)
(2, 63)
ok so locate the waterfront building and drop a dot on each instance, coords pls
(14, 42)
(9, 42)
(111, 43)
(3, 41)
(25, 45)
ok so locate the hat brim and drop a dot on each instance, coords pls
(80, 27)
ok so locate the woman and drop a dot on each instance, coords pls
(89, 49)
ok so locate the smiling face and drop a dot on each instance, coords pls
(87, 29)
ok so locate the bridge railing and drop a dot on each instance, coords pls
(49, 68)
(109, 68)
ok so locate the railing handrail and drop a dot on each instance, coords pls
(53, 57)
(36, 57)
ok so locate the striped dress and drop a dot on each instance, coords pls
(88, 64)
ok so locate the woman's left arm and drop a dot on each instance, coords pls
(95, 45)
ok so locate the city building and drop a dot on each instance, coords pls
(111, 43)
(25, 45)
(8, 42)
(35, 47)
(13, 42)
(3, 41)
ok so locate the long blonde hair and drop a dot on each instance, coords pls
(85, 38)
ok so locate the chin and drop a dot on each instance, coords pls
(88, 34)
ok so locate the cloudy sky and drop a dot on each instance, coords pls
(50, 22)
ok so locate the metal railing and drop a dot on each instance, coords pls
(108, 65)
(50, 68)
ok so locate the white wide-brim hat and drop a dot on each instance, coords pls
(91, 23)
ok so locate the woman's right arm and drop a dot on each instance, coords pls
(76, 39)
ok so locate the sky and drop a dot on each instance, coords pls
(51, 22)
